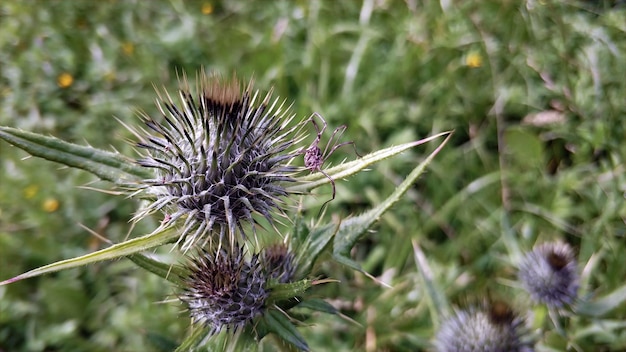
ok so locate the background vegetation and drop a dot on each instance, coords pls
(534, 90)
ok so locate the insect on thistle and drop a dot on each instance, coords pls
(314, 157)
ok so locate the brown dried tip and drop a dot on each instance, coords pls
(500, 313)
(222, 92)
(557, 260)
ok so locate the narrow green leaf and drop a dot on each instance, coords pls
(199, 334)
(316, 241)
(170, 272)
(600, 327)
(108, 166)
(603, 305)
(227, 341)
(279, 324)
(160, 342)
(318, 305)
(300, 233)
(509, 239)
(437, 297)
(352, 229)
(316, 179)
(123, 249)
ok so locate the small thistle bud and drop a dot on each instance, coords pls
(495, 329)
(219, 158)
(224, 291)
(278, 262)
(549, 274)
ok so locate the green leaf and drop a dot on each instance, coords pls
(200, 340)
(197, 335)
(600, 328)
(318, 305)
(316, 179)
(160, 342)
(279, 324)
(170, 272)
(119, 250)
(108, 166)
(316, 241)
(603, 305)
(352, 229)
(437, 297)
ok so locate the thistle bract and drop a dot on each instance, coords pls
(219, 157)
(279, 262)
(549, 274)
(225, 290)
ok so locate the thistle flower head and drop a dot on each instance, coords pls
(279, 262)
(494, 329)
(549, 274)
(225, 290)
(220, 156)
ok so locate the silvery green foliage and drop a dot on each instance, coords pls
(219, 157)
(483, 330)
(549, 274)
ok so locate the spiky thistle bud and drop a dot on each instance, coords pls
(219, 157)
(224, 291)
(495, 328)
(278, 262)
(549, 274)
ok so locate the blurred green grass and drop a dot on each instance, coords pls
(534, 91)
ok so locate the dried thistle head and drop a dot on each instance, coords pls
(493, 328)
(550, 274)
(219, 157)
(224, 290)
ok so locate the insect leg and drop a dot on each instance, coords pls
(332, 182)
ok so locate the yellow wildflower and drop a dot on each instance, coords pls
(474, 60)
(207, 8)
(110, 76)
(65, 80)
(128, 48)
(50, 205)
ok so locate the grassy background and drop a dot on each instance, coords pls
(535, 92)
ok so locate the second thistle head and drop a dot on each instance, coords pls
(279, 262)
(224, 290)
(492, 328)
(550, 274)
(219, 156)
